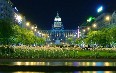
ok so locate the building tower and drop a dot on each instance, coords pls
(57, 36)
(57, 23)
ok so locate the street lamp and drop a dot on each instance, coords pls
(27, 24)
(94, 25)
(88, 28)
(107, 18)
(19, 18)
(84, 30)
(35, 30)
(32, 27)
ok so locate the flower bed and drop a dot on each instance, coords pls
(57, 53)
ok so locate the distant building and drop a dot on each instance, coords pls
(102, 21)
(113, 21)
(57, 23)
(58, 35)
(6, 10)
(105, 20)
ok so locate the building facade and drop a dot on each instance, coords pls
(6, 10)
(113, 21)
(105, 20)
(57, 35)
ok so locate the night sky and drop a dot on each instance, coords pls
(72, 12)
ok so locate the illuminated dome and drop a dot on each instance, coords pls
(57, 18)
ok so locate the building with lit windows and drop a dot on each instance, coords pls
(58, 35)
(113, 20)
(105, 20)
(6, 10)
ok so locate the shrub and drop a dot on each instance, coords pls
(6, 50)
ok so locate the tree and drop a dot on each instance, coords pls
(92, 37)
(100, 37)
(112, 33)
(6, 30)
(79, 41)
(69, 40)
(16, 38)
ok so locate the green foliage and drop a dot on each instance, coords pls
(92, 37)
(6, 30)
(21, 35)
(11, 33)
(79, 41)
(102, 37)
(112, 34)
(69, 40)
(6, 50)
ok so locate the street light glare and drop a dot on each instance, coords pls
(88, 28)
(83, 30)
(19, 17)
(35, 29)
(32, 27)
(94, 25)
(107, 18)
(27, 23)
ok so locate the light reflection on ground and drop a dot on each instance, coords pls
(71, 72)
(65, 63)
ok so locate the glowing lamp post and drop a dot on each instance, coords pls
(84, 30)
(32, 28)
(18, 19)
(35, 30)
(107, 18)
(88, 28)
(94, 25)
(27, 24)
